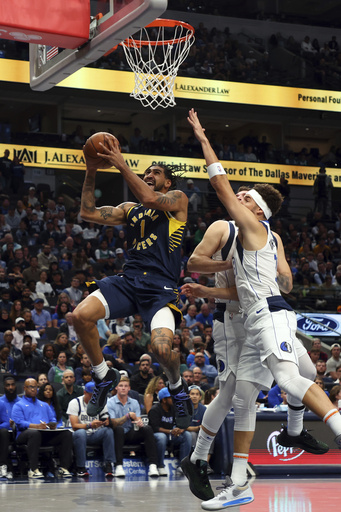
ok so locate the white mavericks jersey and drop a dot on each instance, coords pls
(225, 278)
(256, 271)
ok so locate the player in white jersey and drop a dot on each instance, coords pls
(270, 321)
(238, 364)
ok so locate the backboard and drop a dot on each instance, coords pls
(111, 22)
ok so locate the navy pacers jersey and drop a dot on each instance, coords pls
(154, 238)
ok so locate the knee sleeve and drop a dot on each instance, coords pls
(219, 407)
(163, 318)
(306, 367)
(288, 378)
(244, 404)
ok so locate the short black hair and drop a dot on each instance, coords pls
(169, 171)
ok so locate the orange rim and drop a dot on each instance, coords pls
(160, 22)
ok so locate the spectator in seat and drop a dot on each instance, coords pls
(131, 353)
(32, 417)
(195, 394)
(41, 317)
(8, 338)
(152, 391)
(68, 328)
(161, 420)
(6, 361)
(140, 380)
(46, 393)
(207, 369)
(334, 361)
(125, 416)
(27, 363)
(7, 402)
(56, 372)
(69, 391)
(91, 430)
(74, 292)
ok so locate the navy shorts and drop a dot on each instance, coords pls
(142, 293)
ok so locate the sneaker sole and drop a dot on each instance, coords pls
(198, 492)
(233, 503)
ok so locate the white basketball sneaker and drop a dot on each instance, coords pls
(232, 495)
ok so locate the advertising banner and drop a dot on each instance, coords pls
(319, 324)
(195, 168)
(190, 88)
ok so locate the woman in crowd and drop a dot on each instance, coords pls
(16, 311)
(113, 347)
(5, 321)
(43, 286)
(55, 373)
(151, 392)
(62, 343)
(27, 316)
(59, 317)
(47, 394)
(6, 361)
(48, 358)
(42, 379)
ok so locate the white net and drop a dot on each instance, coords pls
(155, 54)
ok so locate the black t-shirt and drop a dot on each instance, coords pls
(159, 418)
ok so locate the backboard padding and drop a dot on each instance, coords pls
(120, 20)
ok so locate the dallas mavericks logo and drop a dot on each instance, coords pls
(221, 366)
(286, 347)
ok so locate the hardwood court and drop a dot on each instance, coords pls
(164, 495)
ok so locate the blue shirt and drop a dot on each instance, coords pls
(198, 414)
(42, 319)
(116, 410)
(8, 406)
(205, 319)
(28, 411)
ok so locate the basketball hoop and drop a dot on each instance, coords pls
(155, 54)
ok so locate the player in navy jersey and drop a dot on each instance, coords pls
(155, 229)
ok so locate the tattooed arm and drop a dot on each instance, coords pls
(108, 215)
(284, 275)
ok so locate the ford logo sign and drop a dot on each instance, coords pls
(309, 325)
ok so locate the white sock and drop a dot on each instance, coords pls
(176, 385)
(101, 369)
(239, 474)
(333, 420)
(202, 446)
(295, 421)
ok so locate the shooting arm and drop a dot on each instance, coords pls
(108, 215)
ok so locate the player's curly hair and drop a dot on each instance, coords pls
(270, 195)
(170, 173)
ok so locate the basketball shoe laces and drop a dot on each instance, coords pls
(97, 390)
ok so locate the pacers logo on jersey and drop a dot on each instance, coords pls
(286, 347)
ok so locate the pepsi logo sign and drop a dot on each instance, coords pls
(281, 452)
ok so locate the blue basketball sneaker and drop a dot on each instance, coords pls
(101, 390)
(182, 405)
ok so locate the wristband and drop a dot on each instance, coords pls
(215, 169)
(88, 425)
(128, 416)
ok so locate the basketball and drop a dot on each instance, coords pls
(92, 147)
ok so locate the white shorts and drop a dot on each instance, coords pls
(235, 354)
(273, 332)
